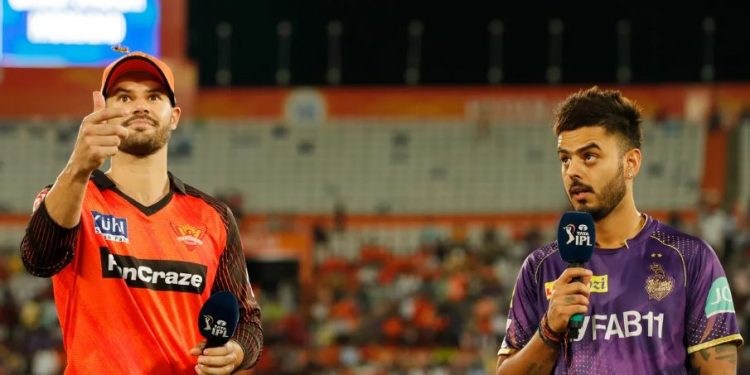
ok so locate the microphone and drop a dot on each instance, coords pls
(218, 318)
(575, 239)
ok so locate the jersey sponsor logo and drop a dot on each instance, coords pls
(160, 275)
(621, 326)
(189, 235)
(111, 227)
(598, 284)
(580, 235)
(660, 284)
(719, 298)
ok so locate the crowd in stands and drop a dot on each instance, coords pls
(442, 309)
(437, 310)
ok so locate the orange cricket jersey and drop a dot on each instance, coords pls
(128, 302)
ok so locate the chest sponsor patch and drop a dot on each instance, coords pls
(110, 227)
(598, 284)
(171, 275)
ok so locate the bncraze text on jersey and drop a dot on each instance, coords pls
(154, 274)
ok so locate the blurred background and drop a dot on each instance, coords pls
(390, 163)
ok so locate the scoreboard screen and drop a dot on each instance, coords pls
(55, 33)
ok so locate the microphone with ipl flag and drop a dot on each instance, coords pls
(575, 239)
(218, 318)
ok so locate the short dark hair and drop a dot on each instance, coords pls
(605, 108)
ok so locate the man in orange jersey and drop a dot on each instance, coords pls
(134, 252)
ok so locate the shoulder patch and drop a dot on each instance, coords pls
(40, 198)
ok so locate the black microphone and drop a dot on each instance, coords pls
(218, 318)
(575, 239)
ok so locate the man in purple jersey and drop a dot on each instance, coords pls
(655, 300)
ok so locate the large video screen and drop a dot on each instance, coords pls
(53, 33)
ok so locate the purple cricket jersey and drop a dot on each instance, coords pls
(654, 301)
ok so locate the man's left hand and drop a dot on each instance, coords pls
(220, 360)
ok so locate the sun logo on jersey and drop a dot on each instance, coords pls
(660, 284)
(189, 235)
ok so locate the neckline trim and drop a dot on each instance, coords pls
(105, 183)
(643, 234)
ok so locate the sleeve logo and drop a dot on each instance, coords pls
(39, 198)
(719, 298)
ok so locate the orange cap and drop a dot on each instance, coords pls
(139, 62)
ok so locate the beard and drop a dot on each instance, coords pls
(610, 196)
(140, 144)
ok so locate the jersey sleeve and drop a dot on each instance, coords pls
(711, 319)
(525, 313)
(46, 247)
(232, 277)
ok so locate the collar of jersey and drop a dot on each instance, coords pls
(643, 234)
(103, 182)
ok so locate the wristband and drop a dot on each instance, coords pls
(548, 333)
(553, 339)
(548, 342)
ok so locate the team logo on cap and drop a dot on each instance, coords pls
(189, 235)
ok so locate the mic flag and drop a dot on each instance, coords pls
(575, 239)
(218, 318)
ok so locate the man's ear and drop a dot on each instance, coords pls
(632, 162)
(174, 119)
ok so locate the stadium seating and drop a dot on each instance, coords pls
(369, 167)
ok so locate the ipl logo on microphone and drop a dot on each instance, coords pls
(217, 330)
(578, 235)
